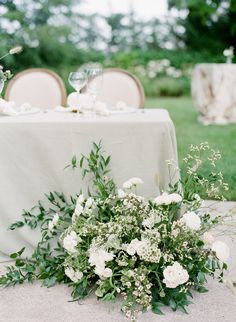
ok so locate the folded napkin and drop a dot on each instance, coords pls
(101, 109)
(9, 108)
(121, 106)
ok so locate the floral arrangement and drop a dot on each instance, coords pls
(6, 75)
(118, 244)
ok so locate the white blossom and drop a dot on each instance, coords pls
(79, 210)
(132, 182)
(175, 275)
(80, 199)
(15, 50)
(75, 276)
(221, 250)
(70, 242)
(103, 272)
(192, 220)
(52, 223)
(121, 193)
(167, 199)
(208, 238)
(89, 202)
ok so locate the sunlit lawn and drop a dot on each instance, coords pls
(190, 131)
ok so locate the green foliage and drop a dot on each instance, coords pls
(190, 131)
(209, 26)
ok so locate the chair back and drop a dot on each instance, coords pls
(119, 85)
(39, 87)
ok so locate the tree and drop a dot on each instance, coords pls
(208, 25)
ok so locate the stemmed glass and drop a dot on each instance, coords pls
(78, 80)
(95, 80)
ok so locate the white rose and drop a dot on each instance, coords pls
(75, 276)
(132, 182)
(132, 247)
(167, 199)
(175, 275)
(70, 242)
(221, 250)
(121, 194)
(99, 257)
(208, 238)
(192, 220)
(103, 272)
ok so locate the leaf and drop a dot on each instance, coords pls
(16, 225)
(17, 254)
(156, 309)
(50, 281)
(201, 289)
(74, 162)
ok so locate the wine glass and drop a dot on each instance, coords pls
(78, 80)
(95, 80)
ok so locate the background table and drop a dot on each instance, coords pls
(213, 89)
(36, 148)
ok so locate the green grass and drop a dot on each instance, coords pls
(190, 131)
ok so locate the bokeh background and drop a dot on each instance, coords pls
(160, 41)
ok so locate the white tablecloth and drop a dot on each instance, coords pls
(36, 148)
(213, 89)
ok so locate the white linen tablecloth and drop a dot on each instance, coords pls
(213, 89)
(36, 148)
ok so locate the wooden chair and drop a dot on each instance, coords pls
(120, 85)
(39, 87)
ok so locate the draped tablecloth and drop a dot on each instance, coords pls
(213, 89)
(36, 148)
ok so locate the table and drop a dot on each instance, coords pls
(36, 148)
(213, 89)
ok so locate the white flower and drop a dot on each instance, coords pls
(229, 52)
(80, 199)
(99, 257)
(151, 220)
(75, 276)
(208, 238)
(167, 199)
(79, 210)
(221, 250)
(15, 50)
(89, 203)
(70, 242)
(192, 220)
(132, 247)
(121, 193)
(132, 182)
(175, 275)
(103, 272)
(53, 222)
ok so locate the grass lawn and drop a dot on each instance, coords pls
(189, 131)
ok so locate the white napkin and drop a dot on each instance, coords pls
(9, 108)
(121, 106)
(63, 109)
(101, 109)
